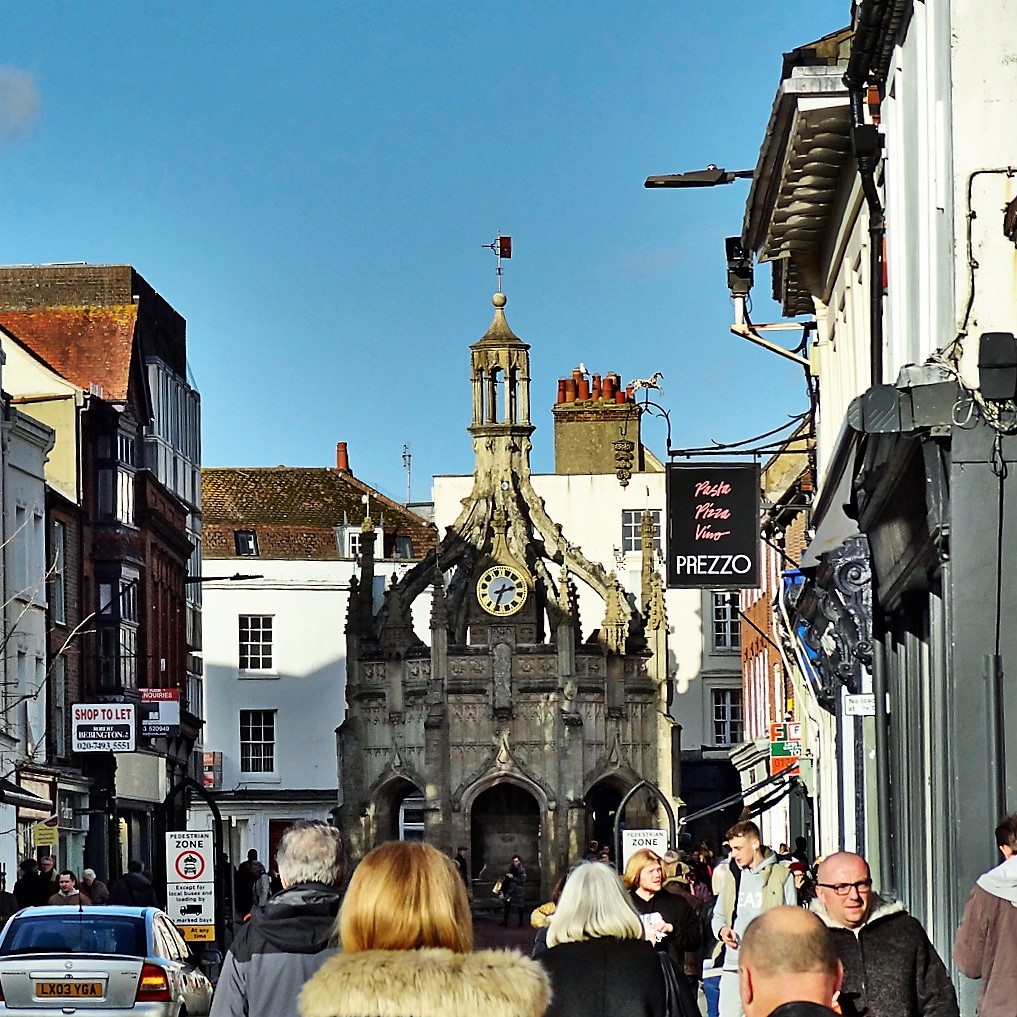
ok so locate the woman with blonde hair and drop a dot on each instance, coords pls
(406, 937)
(597, 951)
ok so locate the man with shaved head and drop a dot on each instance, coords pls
(891, 969)
(787, 966)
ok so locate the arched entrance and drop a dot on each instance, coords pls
(602, 803)
(399, 811)
(504, 821)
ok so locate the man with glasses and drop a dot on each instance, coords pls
(890, 967)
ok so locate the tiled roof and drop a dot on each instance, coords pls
(294, 511)
(86, 345)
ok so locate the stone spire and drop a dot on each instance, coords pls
(500, 373)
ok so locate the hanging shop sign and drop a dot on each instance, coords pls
(47, 833)
(103, 727)
(712, 525)
(160, 713)
(785, 746)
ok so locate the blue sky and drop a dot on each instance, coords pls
(310, 184)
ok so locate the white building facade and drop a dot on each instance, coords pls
(274, 639)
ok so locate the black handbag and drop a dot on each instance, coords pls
(680, 1000)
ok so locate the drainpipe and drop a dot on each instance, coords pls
(885, 874)
(871, 20)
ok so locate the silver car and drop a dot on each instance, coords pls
(95, 961)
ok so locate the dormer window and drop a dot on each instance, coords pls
(348, 541)
(246, 543)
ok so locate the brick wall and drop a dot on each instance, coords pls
(163, 330)
(26, 287)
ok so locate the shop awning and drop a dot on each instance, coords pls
(11, 794)
(775, 787)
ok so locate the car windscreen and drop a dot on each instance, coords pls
(89, 932)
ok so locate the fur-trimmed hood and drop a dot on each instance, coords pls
(880, 909)
(427, 983)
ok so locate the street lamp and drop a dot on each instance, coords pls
(739, 261)
(712, 176)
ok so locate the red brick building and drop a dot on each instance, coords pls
(128, 539)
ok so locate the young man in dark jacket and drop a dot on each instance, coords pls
(891, 969)
(287, 939)
(787, 966)
(133, 888)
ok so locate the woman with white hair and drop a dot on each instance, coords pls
(597, 951)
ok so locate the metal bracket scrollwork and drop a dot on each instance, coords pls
(840, 629)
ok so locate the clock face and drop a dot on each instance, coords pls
(501, 591)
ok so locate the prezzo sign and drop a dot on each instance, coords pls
(712, 525)
(103, 727)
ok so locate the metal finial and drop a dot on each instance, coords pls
(502, 248)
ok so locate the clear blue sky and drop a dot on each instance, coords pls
(310, 184)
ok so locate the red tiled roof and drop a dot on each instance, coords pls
(294, 512)
(86, 345)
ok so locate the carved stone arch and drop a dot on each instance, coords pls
(501, 765)
(387, 795)
(493, 778)
(612, 765)
(507, 815)
(623, 778)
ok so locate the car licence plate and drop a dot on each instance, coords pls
(68, 989)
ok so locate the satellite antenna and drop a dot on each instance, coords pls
(502, 248)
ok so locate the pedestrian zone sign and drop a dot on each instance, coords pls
(637, 840)
(190, 883)
(785, 746)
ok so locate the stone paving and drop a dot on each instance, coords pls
(488, 933)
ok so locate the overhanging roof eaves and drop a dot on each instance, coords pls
(11, 794)
(799, 171)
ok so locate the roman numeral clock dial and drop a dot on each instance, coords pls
(501, 591)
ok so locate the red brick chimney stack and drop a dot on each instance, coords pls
(342, 458)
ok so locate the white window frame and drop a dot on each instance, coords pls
(59, 585)
(246, 543)
(725, 621)
(411, 829)
(727, 715)
(258, 755)
(632, 530)
(256, 656)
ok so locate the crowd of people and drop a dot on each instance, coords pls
(757, 933)
(40, 883)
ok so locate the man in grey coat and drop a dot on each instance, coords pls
(891, 969)
(288, 938)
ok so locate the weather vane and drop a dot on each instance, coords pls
(502, 248)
